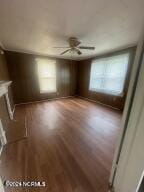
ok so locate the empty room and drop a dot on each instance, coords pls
(70, 88)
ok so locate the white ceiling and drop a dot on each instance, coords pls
(36, 26)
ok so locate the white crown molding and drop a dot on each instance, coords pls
(108, 51)
(73, 58)
(39, 54)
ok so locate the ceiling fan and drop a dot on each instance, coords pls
(74, 46)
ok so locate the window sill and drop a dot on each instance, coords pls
(107, 93)
(48, 92)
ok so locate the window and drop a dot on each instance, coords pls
(47, 75)
(108, 74)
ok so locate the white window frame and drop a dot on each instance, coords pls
(104, 90)
(38, 61)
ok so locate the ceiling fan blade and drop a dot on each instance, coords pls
(61, 47)
(86, 47)
(78, 51)
(65, 51)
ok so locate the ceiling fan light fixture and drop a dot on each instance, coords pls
(74, 46)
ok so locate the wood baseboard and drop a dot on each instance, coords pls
(44, 100)
(85, 98)
(58, 98)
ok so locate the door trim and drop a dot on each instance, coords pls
(128, 106)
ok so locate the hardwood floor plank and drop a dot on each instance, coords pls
(70, 146)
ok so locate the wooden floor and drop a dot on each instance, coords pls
(70, 146)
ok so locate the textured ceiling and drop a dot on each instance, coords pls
(36, 26)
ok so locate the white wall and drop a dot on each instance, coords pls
(131, 164)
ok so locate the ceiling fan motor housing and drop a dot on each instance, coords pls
(74, 46)
(73, 42)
